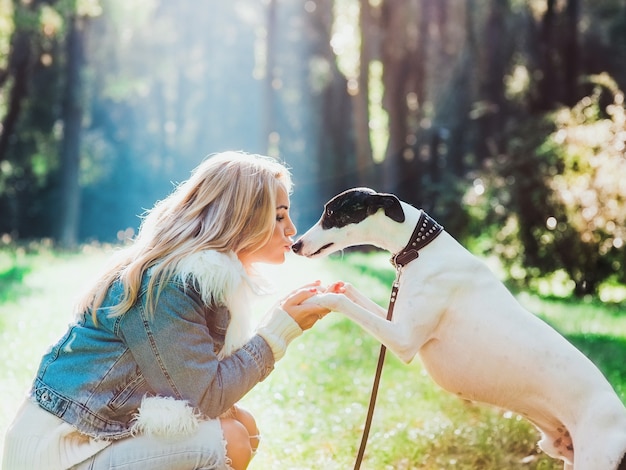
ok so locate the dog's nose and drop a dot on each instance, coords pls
(297, 246)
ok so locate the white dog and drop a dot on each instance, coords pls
(473, 337)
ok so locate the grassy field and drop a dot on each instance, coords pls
(311, 410)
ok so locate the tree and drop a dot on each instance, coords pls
(397, 53)
(465, 92)
(72, 116)
(20, 63)
(28, 153)
(359, 89)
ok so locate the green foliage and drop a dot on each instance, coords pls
(591, 189)
(556, 201)
(12, 272)
(168, 82)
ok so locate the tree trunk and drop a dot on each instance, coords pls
(489, 119)
(360, 100)
(269, 105)
(70, 144)
(396, 72)
(571, 53)
(338, 162)
(547, 83)
(19, 68)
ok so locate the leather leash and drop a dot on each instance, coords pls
(426, 230)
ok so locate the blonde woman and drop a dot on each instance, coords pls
(150, 373)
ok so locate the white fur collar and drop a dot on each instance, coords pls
(222, 279)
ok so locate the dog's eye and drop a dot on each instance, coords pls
(329, 212)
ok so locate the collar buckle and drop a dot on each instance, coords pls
(405, 257)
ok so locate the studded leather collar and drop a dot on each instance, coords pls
(426, 230)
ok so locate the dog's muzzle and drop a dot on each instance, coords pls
(297, 246)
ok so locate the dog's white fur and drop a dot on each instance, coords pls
(478, 342)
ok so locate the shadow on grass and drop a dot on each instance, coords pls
(11, 283)
(614, 309)
(607, 352)
(12, 286)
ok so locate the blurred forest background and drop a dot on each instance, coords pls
(504, 119)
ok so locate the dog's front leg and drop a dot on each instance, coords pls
(360, 299)
(400, 336)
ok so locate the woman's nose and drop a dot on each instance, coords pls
(291, 229)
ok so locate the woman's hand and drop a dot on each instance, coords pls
(305, 314)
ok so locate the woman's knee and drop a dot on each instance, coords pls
(245, 417)
(238, 448)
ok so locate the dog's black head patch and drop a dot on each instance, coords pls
(354, 205)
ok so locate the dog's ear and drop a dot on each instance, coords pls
(388, 202)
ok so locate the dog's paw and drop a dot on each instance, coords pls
(330, 301)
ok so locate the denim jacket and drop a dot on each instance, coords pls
(95, 376)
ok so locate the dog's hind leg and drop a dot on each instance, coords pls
(600, 434)
(558, 445)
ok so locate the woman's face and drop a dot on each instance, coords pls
(273, 252)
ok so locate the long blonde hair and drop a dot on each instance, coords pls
(228, 204)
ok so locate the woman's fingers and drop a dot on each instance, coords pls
(338, 287)
(305, 314)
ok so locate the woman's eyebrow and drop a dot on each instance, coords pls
(282, 206)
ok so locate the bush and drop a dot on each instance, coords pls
(555, 201)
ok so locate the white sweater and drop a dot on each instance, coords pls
(39, 440)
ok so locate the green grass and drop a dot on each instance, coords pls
(311, 410)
